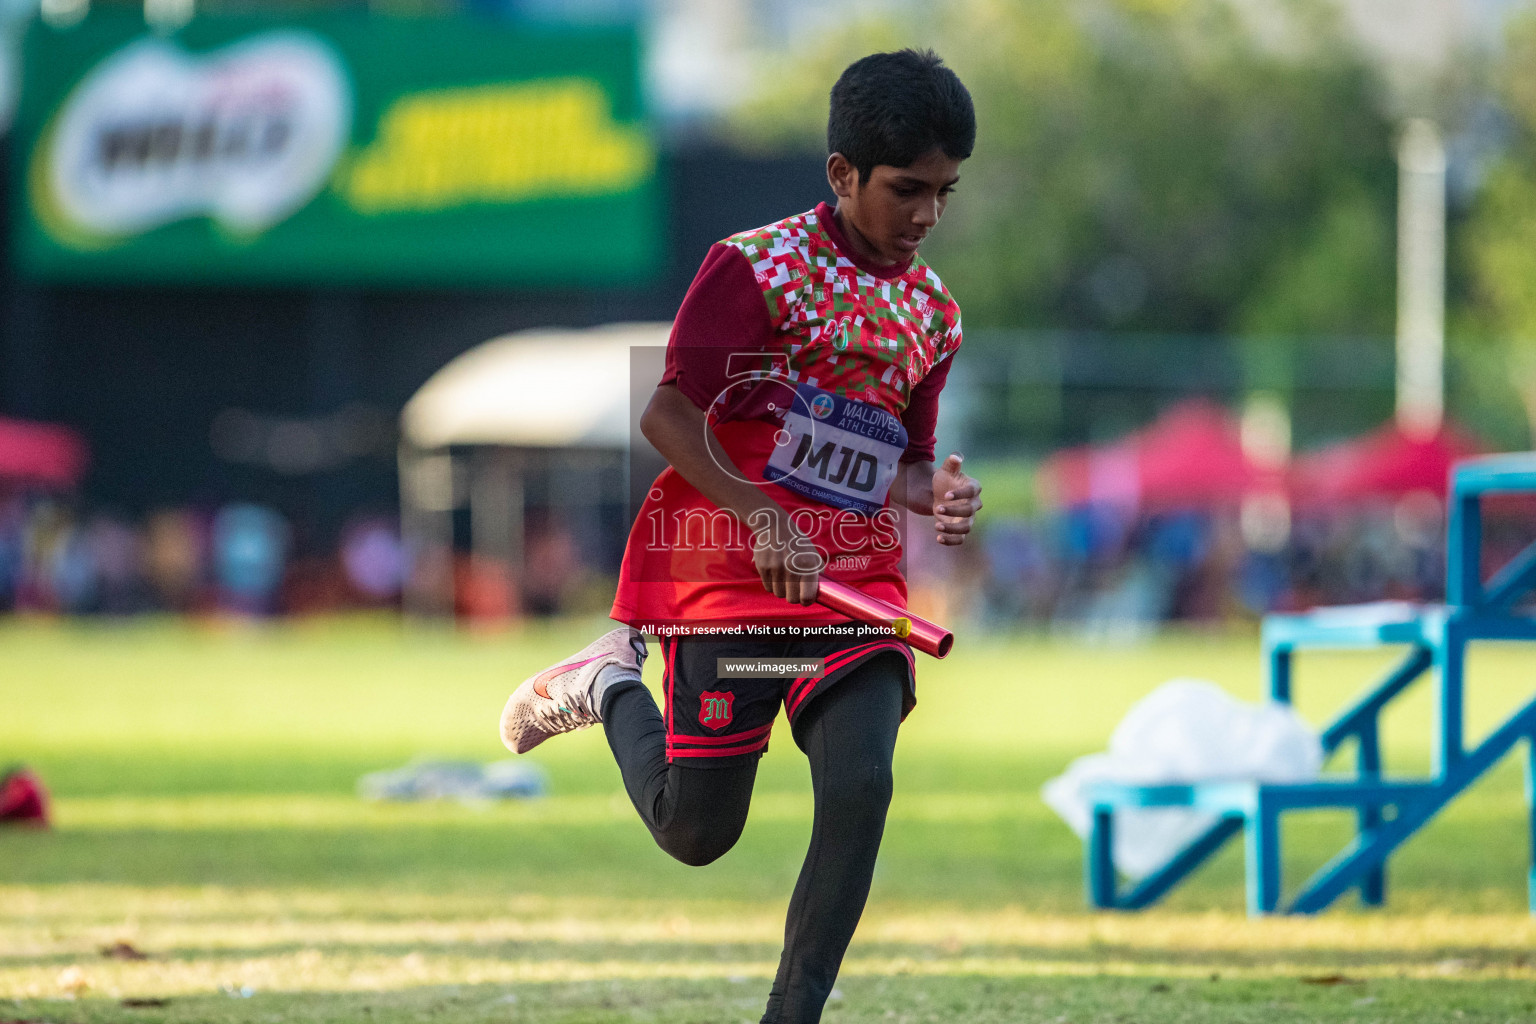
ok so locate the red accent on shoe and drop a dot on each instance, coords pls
(539, 684)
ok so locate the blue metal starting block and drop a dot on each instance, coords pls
(1388, 810)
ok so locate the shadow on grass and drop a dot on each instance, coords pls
(1319, 960)
(1028, 861)
(859, 1000)
(592, 860)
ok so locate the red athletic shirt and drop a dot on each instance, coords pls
(819, 373)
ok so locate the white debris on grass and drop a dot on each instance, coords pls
(466, 781)
(1187, 730)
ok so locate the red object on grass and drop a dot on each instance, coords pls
(23, 800)
(1191, 457)
(926, 636)
(41, 453)
(1386, 463)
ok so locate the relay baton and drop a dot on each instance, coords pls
(926, 636)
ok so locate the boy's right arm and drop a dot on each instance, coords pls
(679, 430)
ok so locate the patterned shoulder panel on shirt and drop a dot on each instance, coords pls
(845, 330)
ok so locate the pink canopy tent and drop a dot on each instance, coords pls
(44, 454)
(1385, 463)
(1190, 457)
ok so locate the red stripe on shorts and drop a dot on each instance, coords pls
(805, 686)
(747, 748)
(739, 737)
(668, 675)
(836, 659)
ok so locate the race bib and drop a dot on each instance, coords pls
(838, 451)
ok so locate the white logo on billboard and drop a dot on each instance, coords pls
(245, 136)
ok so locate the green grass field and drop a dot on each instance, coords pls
(204, 794)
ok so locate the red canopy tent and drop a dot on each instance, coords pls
(41, 453)
(1386, 463)
(1190, 457)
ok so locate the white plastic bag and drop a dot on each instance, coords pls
(1186, 730)
(466, 781)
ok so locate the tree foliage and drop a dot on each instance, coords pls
(1499, 242)
(1150, 165)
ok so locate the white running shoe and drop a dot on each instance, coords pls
(564, 697)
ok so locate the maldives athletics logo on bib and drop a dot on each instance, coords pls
(715, 709)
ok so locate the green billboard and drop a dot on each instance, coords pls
(336, 150)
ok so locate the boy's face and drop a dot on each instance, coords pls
(887, 217)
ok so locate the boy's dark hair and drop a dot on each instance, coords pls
(891, 108)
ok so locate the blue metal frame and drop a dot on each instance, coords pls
(1387, 811)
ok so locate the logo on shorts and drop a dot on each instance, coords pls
(715, 709)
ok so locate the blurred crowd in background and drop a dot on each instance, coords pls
(59, 557)
(238, 558)
(1103, 570)
(1111, 575)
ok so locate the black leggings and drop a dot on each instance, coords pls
(848, 734)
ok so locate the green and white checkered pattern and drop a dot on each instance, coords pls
(848, 331)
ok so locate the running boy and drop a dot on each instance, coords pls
(798, 403)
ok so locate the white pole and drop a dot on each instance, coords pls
(426, 526)
(1420, 278)
(496, 517)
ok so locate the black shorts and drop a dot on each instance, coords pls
(715, 722)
